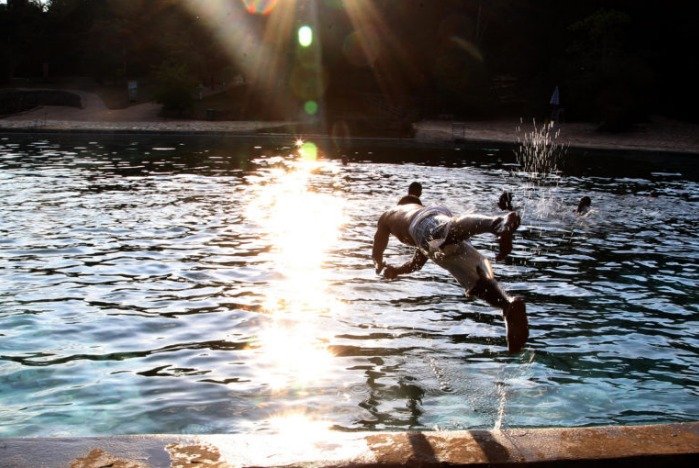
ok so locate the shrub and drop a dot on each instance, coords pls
(174, 89)
(605, 80)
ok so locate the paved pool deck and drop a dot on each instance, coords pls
(673, 445)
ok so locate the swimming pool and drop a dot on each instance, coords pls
(193, 285)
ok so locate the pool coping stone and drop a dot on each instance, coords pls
(673, 445)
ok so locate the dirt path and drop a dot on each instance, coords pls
(96, 116)
(94, 110)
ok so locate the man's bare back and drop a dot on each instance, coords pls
(397, 220)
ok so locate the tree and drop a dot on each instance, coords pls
(21, 37)
(175, 88)
(605, 79)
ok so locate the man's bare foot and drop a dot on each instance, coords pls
(516, 325)
(505, 232)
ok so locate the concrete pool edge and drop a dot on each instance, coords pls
(667, 444)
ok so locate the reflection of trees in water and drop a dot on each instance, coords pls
(406, 389)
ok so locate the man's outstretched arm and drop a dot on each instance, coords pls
(380, 243)
(414, 264)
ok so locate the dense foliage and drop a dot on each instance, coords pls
(175, 88)
(615, 61)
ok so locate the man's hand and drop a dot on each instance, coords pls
(378, 267)
(390, 272)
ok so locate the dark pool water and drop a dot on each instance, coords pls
(193, 285)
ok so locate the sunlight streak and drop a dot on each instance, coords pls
(292, 435)
(302, 226)
(260, 57)
(468, 47)
(388, 59)
(231, 27)
(282, 62)
(270, 70)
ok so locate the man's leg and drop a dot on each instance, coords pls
(514, 311)
(472, 270)
(463, 227)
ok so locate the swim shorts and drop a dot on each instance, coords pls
(428, 224)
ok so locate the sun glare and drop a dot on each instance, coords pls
(296, 426)
(293, 356)
(290, 73)
(291, 435)
(302, 226)
(308, 151)
(374, 43)
(261, 58)
(298, 434)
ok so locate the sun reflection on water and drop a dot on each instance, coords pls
(302, 225)
(293, 436)
(297, 427)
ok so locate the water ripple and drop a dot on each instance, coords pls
(146, 288)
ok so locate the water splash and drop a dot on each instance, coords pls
(539, 154)
(520, 373)
(540, 151)
(502, 393)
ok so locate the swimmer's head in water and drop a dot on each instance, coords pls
(415, 189)
(584, 205)
(413, 196)
(505, 201)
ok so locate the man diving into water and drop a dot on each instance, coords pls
(442, 237)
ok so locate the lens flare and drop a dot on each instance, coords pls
(308, 151)
(259, 7)
(311, 107)
(469, 47)
(305, 36)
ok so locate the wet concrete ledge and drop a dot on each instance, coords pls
(673, 445)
